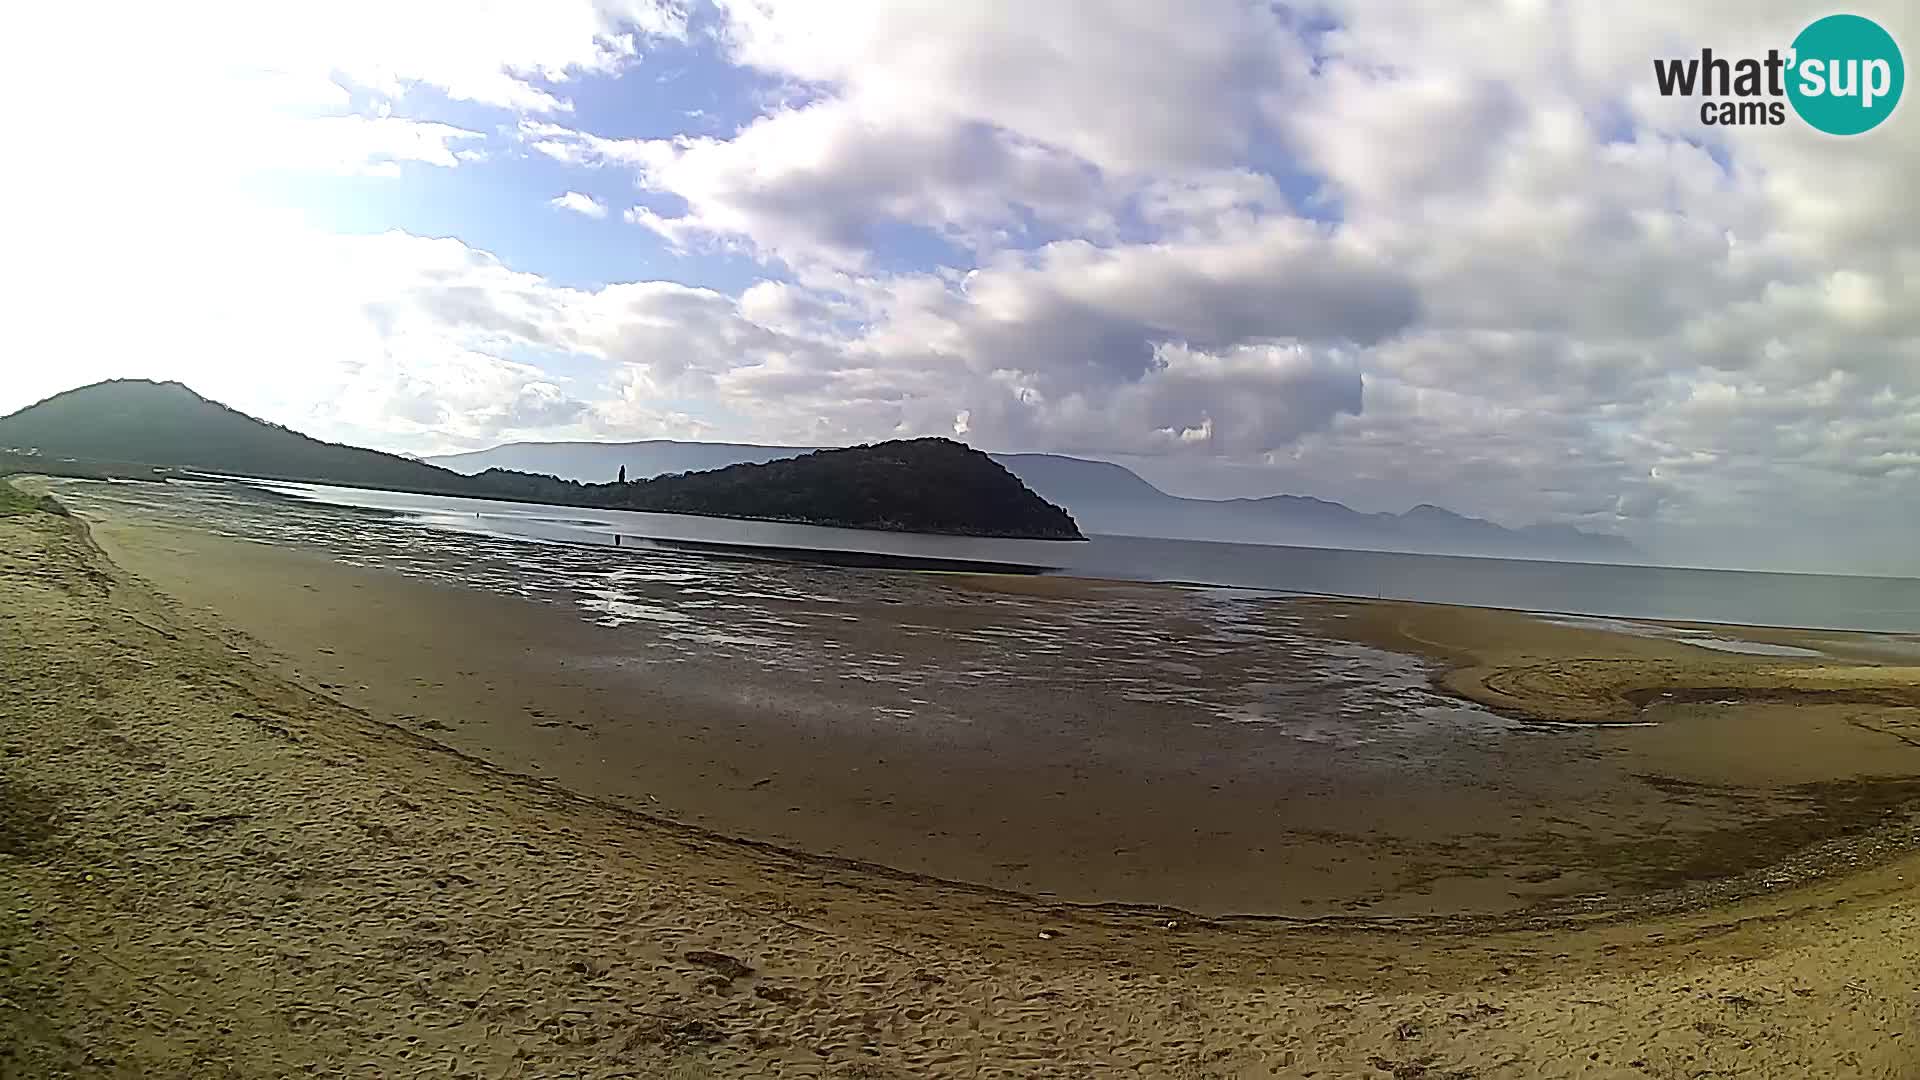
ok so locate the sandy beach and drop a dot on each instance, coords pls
(1091, 742)
(268, 812)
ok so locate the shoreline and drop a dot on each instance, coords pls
(121, 472)
(897, 560)
(546, 930)
(723, 745)
(161, 474)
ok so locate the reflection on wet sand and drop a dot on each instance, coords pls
(1214, 749)
(805, 621)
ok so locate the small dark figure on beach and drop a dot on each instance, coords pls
(623, 474)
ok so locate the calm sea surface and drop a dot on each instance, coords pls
(1726, 596)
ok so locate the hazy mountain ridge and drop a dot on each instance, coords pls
(919, 485)
(1104, 497)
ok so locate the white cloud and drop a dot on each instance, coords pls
(1533, 264)
(822, 182)
(1349, 250)
(356, 144)
(390, 339)
(514, 54)
(581, 204)
(1125, 85)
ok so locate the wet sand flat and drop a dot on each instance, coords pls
(213, 870)
(1201, 749)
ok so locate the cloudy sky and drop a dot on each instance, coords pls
(1385, 252)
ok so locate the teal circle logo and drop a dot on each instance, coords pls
(1847, 75)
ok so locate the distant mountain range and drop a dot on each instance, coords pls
(1107, 498)
(913, 485)
(940, 486)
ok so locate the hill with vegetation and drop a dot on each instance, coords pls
(1106, 497)
(911, 485)
(919, 485)
(168, 425)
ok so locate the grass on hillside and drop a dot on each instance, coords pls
(13, 501)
